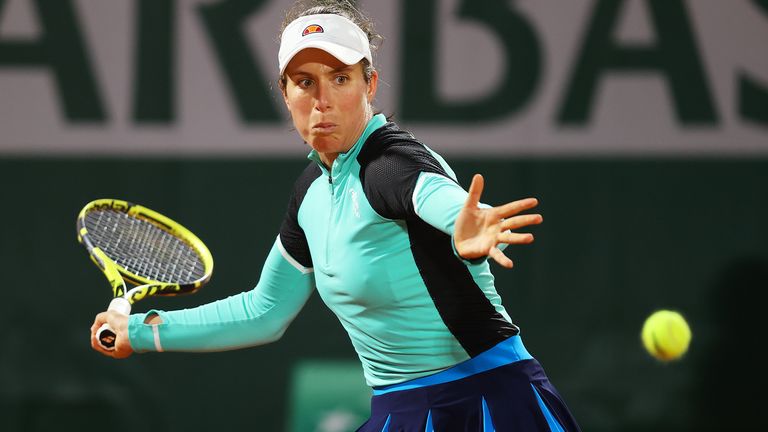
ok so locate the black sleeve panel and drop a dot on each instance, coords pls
(391, 162)
(291, 234)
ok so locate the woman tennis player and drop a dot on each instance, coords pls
(395, 247)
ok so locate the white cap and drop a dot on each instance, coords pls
(331, 33)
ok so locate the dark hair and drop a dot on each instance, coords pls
(336, 7)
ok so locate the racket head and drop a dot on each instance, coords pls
(144, 247)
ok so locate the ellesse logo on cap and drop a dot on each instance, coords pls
(312, 28)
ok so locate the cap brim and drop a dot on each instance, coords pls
(345, 55)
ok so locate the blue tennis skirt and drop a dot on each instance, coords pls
(503, 390)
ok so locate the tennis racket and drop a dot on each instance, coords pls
(134, 244)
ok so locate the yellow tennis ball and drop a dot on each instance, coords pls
(666, 335)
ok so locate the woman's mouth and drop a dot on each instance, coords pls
(324, 127)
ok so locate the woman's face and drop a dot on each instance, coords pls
(329, 101)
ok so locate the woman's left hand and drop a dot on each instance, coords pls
(478, 231)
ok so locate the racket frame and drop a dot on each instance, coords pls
(117, 275)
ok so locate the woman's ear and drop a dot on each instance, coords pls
(373, 84)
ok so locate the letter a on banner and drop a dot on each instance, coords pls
(674, 56)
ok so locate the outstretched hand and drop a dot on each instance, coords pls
(478, 231)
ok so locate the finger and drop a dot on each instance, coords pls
(514, 238)
(118, 323)
(116, 319)
(475, 190)
(500, 258)
(521, 221)
(100, 319)
(515, 207)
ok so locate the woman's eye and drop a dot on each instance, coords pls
(304, 83)
(341, 79)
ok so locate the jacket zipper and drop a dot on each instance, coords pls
(330, 224)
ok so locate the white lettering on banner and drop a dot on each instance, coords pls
(526, 78)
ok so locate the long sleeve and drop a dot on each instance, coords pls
(438, 200)
(255, 317)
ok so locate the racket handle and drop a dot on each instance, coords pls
(105, 335)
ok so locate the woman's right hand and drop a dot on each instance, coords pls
(119, 324)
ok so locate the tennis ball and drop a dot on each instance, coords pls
(666, 335)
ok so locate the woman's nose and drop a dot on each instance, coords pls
(322, 97)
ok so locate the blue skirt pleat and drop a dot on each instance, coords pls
(510, 398)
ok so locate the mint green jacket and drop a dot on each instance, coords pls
(373, 235)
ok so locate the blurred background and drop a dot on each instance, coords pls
(641, 125)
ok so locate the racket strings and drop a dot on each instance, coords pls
(143, 248)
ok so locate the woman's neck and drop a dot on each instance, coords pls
(328, 157)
